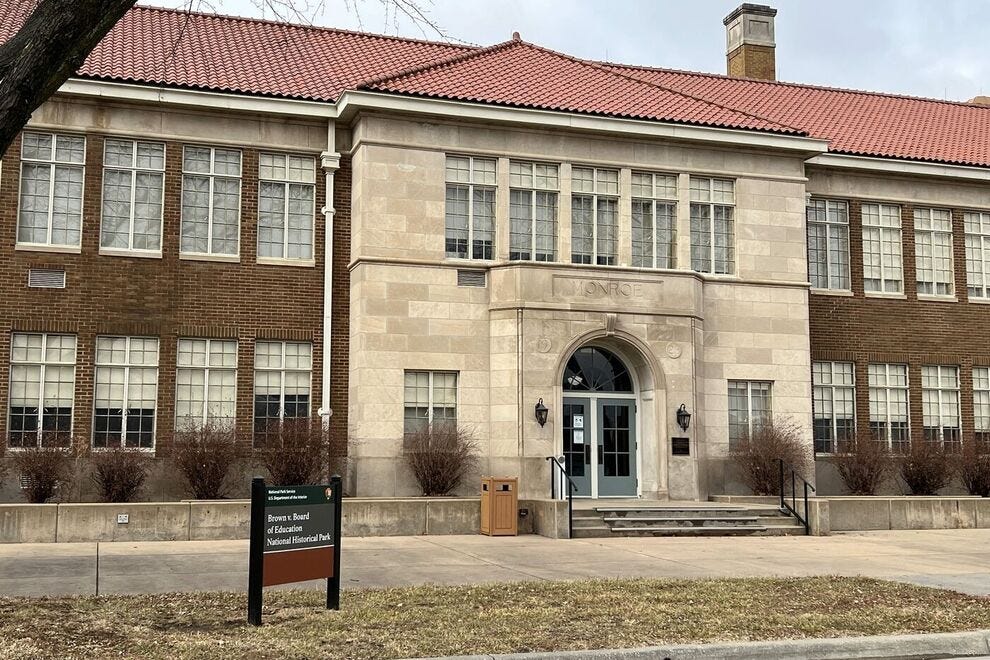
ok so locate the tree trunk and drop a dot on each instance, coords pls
(51, 45)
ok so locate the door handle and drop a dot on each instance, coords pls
(587, 454)
(601, 454)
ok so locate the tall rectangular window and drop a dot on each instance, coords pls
(749, 408)
(211, 201)
(470, 208)
(133, 190)
(828, 244)
(933, 251)
(940, 403)
(282, 374)
(533, 211)
(126, 392)
(430, 398)
(977, 227)
(594, 215)
(981, 404)
(882, 268)
(286, 206)
(52, 169)
(654, 220)
(42, 383)
(712, 232)
(889, 420)
(205, 383)
(834, 399)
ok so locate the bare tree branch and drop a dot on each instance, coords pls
(51, 45)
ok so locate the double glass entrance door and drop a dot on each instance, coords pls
(600, 445)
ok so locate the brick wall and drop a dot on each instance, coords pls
(170, 298)
(908, 331)
(752, 61)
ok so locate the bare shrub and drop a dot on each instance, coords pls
(46, 469)
(440, 457)
(119, 474)
(758, 454)
(295, 451)
(973, 466)
(926, 468)
(205, 455)
(863, 463)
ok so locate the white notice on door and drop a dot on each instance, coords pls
(579, 421)
(578, 436)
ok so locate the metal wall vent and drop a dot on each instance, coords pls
(471, 277)
(46, 278)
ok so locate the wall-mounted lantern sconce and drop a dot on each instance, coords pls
(683, 418)
(541, 412)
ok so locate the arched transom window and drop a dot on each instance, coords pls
(593, 369)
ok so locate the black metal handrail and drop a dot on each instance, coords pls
(792, 506)
(555, 466)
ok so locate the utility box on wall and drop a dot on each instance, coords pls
(499, 506)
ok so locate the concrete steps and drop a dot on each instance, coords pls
(683, 520)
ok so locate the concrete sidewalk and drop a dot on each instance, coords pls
(954, 559)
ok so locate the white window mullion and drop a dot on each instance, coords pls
(51, 196)
(125, 394)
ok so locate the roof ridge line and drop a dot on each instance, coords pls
(301, 26)
(419, 68)
(787, 83)
(598, 66)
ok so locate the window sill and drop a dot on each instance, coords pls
(980, 301)
(297, 263)
(101, 450)
(120, 252)
(886, 296)
(843, 293)
(930, 298)
(36, 247)
(480, 263)
(223, 258)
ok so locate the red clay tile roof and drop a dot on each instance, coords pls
(248, 56)
(854, 122)
(520, 74)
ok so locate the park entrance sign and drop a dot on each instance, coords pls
(295, 536)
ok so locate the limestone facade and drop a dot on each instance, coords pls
(683, 334)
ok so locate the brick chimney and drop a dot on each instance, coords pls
(749, 49)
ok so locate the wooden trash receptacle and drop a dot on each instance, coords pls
(499, 506)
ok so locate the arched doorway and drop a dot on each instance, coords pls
(599, 424)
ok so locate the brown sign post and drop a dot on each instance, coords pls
(295, 536)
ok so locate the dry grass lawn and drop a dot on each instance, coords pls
(502, 618)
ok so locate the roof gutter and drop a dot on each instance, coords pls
(194, 98)
(903, 167)
(352, 102)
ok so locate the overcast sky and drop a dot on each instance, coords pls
(918, 47)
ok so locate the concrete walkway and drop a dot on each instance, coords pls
(955, 559)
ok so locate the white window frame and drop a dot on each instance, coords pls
(431, 403)
(126, 366)
(981, 403)
(282, 370)
(942, 402)
(603, 191)
(884, 235)
(211, 176)
(53, 163)
(517, 183)
(475, 182)
(42, 365)
(713, 193)
(927, 236)
(750, 385)
(976, 226)
(655, 195)
(286, 183)
(207, 369)
(884, 369)
(836, 227)
(826, 384)
(133, 169)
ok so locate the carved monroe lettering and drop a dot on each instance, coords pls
(604, 289)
